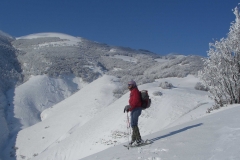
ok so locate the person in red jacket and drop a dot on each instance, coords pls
(135, 108)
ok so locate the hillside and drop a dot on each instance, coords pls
(40, 70)
(57, 54)
(92, 119)
(214, 137)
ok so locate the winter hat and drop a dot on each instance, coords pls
(132, 82)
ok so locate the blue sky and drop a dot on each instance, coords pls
(161, 26)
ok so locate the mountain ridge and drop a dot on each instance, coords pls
(60, 56)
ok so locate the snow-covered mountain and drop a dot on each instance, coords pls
(92, 120)
(58, 90)
(59, 54)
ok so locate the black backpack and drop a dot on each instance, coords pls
(146, 101)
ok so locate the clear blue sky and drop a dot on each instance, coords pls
(161, 26)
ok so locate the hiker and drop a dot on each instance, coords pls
(135, 108)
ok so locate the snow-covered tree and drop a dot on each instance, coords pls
(221, 73)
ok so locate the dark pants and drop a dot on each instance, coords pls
(134, 116)
(134, 124)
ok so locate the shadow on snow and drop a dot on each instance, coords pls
(176, 132)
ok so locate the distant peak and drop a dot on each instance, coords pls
(50, 34)
(6, 35)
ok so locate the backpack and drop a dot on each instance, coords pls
(146, 101)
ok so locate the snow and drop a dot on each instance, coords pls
(213, 137)
(117, 69)
(5, 35)
(161, 60)
(125, 58)
(4, 130)
(90, 124)
(67, 40)
(39, 93)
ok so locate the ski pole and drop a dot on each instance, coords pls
(128, 128)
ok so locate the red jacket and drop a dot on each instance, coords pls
(135, 99)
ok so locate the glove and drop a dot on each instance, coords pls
(126, 109)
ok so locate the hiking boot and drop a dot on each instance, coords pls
(139, 142)
(131, 143)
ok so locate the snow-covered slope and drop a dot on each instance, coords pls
(212, 137)
(45, 61)
(27, 101)
(57, 54)
(92, 119)
(63, 119)
(65, 40)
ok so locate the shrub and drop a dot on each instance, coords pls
(200, 86)
(165, 85)
(157, 93)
